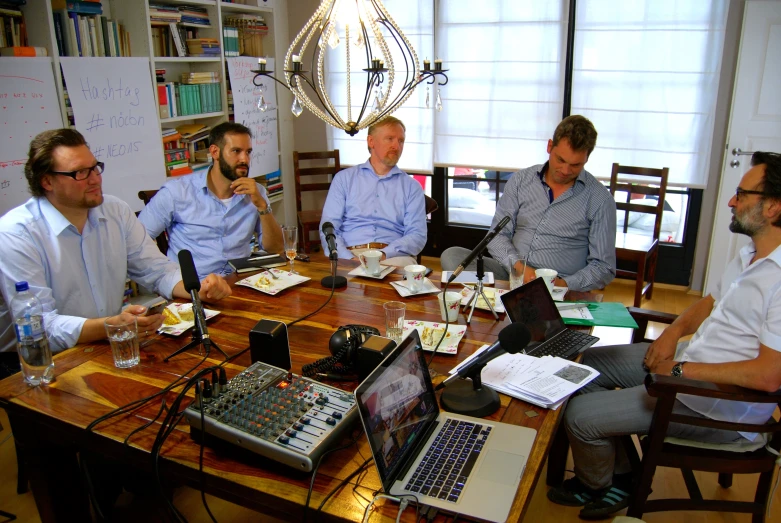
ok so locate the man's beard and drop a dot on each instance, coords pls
(749, 223)
(230, 172)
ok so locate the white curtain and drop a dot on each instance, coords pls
(416, 20)
(646, 73)
(505, 95)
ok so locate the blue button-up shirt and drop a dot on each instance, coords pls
(196, 220)
(364, 207)
(76, 276)
(575, 234)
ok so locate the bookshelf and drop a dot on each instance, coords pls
(134, 15)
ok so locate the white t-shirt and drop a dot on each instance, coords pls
(746, 312)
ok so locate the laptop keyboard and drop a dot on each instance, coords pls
(444, 469)
(565, 345)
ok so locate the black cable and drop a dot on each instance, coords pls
(342, 483)
(314, 472)
(200, 460)
(302, 318)
(145, 425)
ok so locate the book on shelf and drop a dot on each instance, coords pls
(162, 101)
(13, 32)
(81, 7)
(180, 171)
(23, 51)
(89, 35)
(250, 30)
(194, 15)
(163, 14)
(193, 130)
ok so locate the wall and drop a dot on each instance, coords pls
(718, 156)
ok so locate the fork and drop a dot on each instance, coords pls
(271, 273)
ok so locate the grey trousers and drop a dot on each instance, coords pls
(599, 414)
(453, 256)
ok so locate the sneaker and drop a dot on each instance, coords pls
(572, 493)
(610, 501)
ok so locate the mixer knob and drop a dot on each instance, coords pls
(292, 433)
(305, 421)
(284, 440)
(298, 426)
(337, 415)
(330, 421)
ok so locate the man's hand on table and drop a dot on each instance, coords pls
(147, 325)
(214, 288)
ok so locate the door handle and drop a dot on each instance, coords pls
(737, 152)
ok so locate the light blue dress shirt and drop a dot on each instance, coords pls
(196, 220)
(575, 234)
(76, 276)
(364, 207)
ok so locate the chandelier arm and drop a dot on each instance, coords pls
(268, 75)
(317, 93)
(405, 51)
(372, 78)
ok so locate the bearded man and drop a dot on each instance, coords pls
(376, 205)
(215, 211)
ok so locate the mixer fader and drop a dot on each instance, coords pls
(276, 414)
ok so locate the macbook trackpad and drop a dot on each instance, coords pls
(502, 467)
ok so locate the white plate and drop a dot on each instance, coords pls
(179, 328)
(449, 344)
(402, 287)
(467, 292)
(275, 286)
(359, 271)
(559, 293)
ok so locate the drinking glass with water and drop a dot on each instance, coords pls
(123, 337)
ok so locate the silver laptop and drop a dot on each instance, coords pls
(532, 305)
(459, 464)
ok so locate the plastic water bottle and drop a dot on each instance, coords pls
(31, 341)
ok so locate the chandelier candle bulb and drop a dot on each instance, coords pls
(437, 64)
(426, 65)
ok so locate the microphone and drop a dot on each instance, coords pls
(192, 285)
(512, 339)
(333, 281)
(480, 247)
(330, 239)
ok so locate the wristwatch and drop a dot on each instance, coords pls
(677, 371)
(267, 211)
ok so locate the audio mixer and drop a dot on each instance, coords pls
(276, 414)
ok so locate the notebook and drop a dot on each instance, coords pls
(257, 262)
(459, 464)
(532, 305)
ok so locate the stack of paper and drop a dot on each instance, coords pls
(545, 382)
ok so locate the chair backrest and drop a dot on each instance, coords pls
(320, 170)
(431, 205)
(644, 181)
(162, 239)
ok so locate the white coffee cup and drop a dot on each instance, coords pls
(449, 303)
(370, 260)
(415, 275)
(548, 275)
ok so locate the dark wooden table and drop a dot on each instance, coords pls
(87, 385)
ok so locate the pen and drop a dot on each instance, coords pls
(262, 257)
(568, 306)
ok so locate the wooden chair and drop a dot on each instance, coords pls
(162, 239)
(431, 206)
(659, 450)
(641, 249)
(310, 220)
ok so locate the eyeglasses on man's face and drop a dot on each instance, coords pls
(740, 192)
(82, 174)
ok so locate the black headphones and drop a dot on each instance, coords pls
(344, 345)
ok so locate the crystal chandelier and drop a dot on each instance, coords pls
(361, 35)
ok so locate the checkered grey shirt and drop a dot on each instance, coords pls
(576, 234)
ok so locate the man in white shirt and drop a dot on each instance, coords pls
(76, 248)
(736, 340)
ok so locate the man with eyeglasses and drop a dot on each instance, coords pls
(736, 340)
(76, 247)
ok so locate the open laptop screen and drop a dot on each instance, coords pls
(532, 305)
(397, 405)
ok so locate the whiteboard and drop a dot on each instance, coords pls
(115, 109)
(28, 106)
(265, 143)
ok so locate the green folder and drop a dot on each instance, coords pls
(607, 314)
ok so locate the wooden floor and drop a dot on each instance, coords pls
(667, 483)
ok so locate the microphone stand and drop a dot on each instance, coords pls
(471, 400)
(479, 291)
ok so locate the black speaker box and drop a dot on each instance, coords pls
(268, 343)
(371, 353)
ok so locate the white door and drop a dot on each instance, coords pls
(755, 121)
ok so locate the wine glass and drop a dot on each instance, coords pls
(290, 235)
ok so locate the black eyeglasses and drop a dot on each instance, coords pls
(82, 174)
(740, 192)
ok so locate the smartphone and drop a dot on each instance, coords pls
(302, 257)
(157, 309)
(429, 270)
